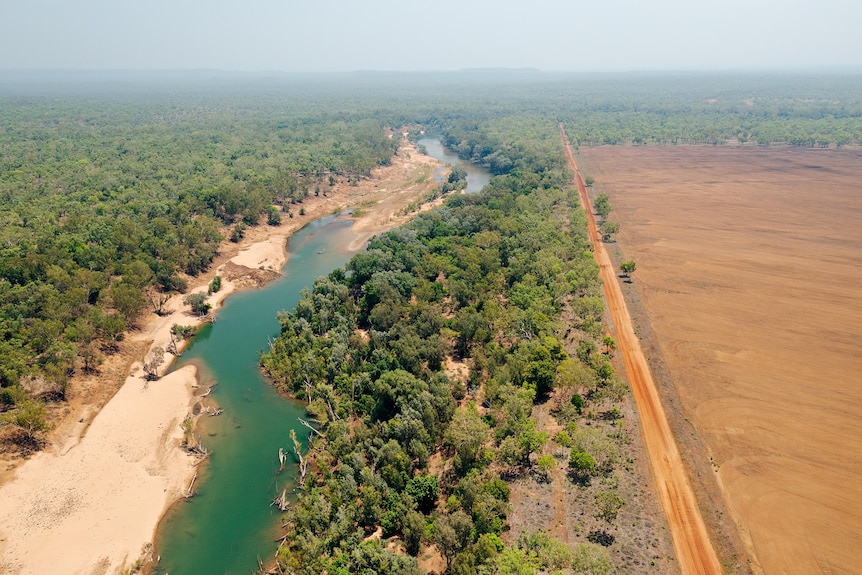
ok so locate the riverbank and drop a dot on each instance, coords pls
(90, 502)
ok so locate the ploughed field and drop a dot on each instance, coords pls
(749, 267)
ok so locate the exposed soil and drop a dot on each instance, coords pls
(748, 267)
(694, 550)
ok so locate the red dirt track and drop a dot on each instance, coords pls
(694, 550)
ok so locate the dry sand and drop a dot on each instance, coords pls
(93, 508)
(89, 503)
(748, 266)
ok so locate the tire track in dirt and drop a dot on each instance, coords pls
(694, 550)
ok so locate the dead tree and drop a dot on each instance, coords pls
(303, 463)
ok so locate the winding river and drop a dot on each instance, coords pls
(229, 524)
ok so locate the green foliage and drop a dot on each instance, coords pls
(628, 267)
(413, 528)
(563, 439)
(154, 362)
(111, 200)
(582, 463)
(482, 278)
(466, 434)
(591, 559)
(545, 465)
(424, 489)
(553, 555)
(28, 418)
(609, 229)
(238, 232)
(198, 303)
(215, 285)
(273, 216)
(602, 205)
(517, 561)
(183, 331)
(608, 504)
(452, 533)
(578, 402)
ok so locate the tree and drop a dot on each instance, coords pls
(608, 504)
(573, 374)
(424, 489)
(517, 561)
(591, 559)
(628, 267)
(545, 465)
(610, 344)
(237, 233)
(579, 403)
(582, 464)
(540, 376)
(273, 216)
(609, 230)
(128, 300)
(151, 366)
(602, 205)
(466, 434)
(156, 299)
(531, 439)
(413, 528)
(452, 533)
(28, 418)
(215, 285)
(198, 303)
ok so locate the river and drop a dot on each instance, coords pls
(476, 177)
(229, 524)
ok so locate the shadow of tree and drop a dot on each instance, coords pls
(601, 537)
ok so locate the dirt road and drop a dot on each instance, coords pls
(694, 550)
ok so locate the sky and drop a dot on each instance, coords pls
(409, 35)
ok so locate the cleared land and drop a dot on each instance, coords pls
(749, 267)
(694, 549)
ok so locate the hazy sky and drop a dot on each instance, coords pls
(346, 35)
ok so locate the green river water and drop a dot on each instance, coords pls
(229, 524)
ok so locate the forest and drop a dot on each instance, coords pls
(109, 204)
(402, 447)
(114, 195)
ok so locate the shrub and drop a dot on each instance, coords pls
(582, 463)
(215, 285)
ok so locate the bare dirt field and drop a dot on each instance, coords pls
(749, 269)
